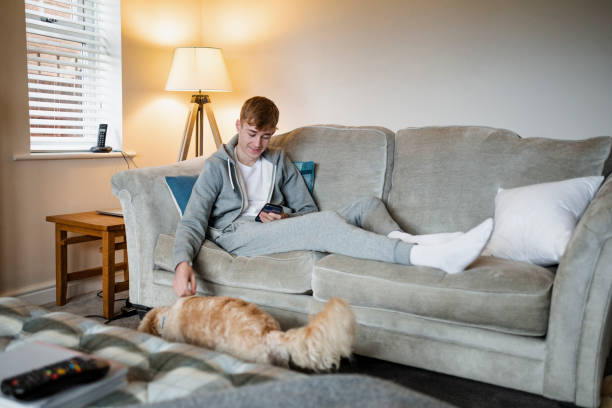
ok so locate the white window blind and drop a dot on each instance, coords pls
(74, 73)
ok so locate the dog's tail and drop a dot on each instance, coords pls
(319, 346)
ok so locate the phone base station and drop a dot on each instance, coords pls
(101, 149)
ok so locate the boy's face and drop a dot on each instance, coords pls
(252, 142)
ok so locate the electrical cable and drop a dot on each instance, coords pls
(128, 159)
(126, 311)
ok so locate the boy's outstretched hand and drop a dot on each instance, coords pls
(184, 276)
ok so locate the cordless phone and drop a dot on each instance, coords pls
(100, 147)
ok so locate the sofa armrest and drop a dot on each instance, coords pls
(578, 339)
(148, 210)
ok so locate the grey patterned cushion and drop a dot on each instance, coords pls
(157, 370)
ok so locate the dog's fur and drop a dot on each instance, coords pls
(242, 329)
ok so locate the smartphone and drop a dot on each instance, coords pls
(270, 208)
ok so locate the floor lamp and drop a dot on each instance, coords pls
(198, 69)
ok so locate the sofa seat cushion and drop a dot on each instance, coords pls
(288, 272)
(498, 294)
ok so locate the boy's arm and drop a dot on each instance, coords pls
(184, 282)
(191, 229)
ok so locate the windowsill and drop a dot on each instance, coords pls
(72, 155)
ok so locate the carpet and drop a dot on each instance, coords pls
(333, 390)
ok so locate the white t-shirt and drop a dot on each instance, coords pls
(257, 188)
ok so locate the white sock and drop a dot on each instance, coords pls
(426, 239)
(455, 255)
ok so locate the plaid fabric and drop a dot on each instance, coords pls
(306, 169)
(157, 370)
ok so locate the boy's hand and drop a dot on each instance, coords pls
(183, 276)
(270, 216)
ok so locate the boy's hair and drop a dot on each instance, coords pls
(260, 112)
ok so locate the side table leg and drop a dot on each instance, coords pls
(108, 274)
(61, 267)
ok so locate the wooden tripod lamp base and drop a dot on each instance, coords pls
(198, 69)
(195, 118)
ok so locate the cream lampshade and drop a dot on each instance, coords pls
(198, 69)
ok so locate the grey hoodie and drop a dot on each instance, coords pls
(219, 197)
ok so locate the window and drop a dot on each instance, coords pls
(74, 73)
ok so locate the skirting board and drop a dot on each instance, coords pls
(47, 295)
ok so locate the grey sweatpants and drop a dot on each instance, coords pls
(358, 230)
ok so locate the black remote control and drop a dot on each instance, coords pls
(53, 378)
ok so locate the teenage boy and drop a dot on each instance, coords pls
(242, 176)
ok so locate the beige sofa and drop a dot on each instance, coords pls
(518, 325)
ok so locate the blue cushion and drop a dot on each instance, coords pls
(180, 187)
(307, 169)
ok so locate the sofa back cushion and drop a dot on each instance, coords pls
(446, 178)
(350, 162)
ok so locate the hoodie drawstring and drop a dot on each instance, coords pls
(229, 173)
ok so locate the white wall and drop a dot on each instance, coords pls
(153, 118)
(539, 68)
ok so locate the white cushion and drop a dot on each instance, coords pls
(534, 223)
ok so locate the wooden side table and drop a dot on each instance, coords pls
(92, 226)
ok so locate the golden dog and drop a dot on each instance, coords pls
(242, 329)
